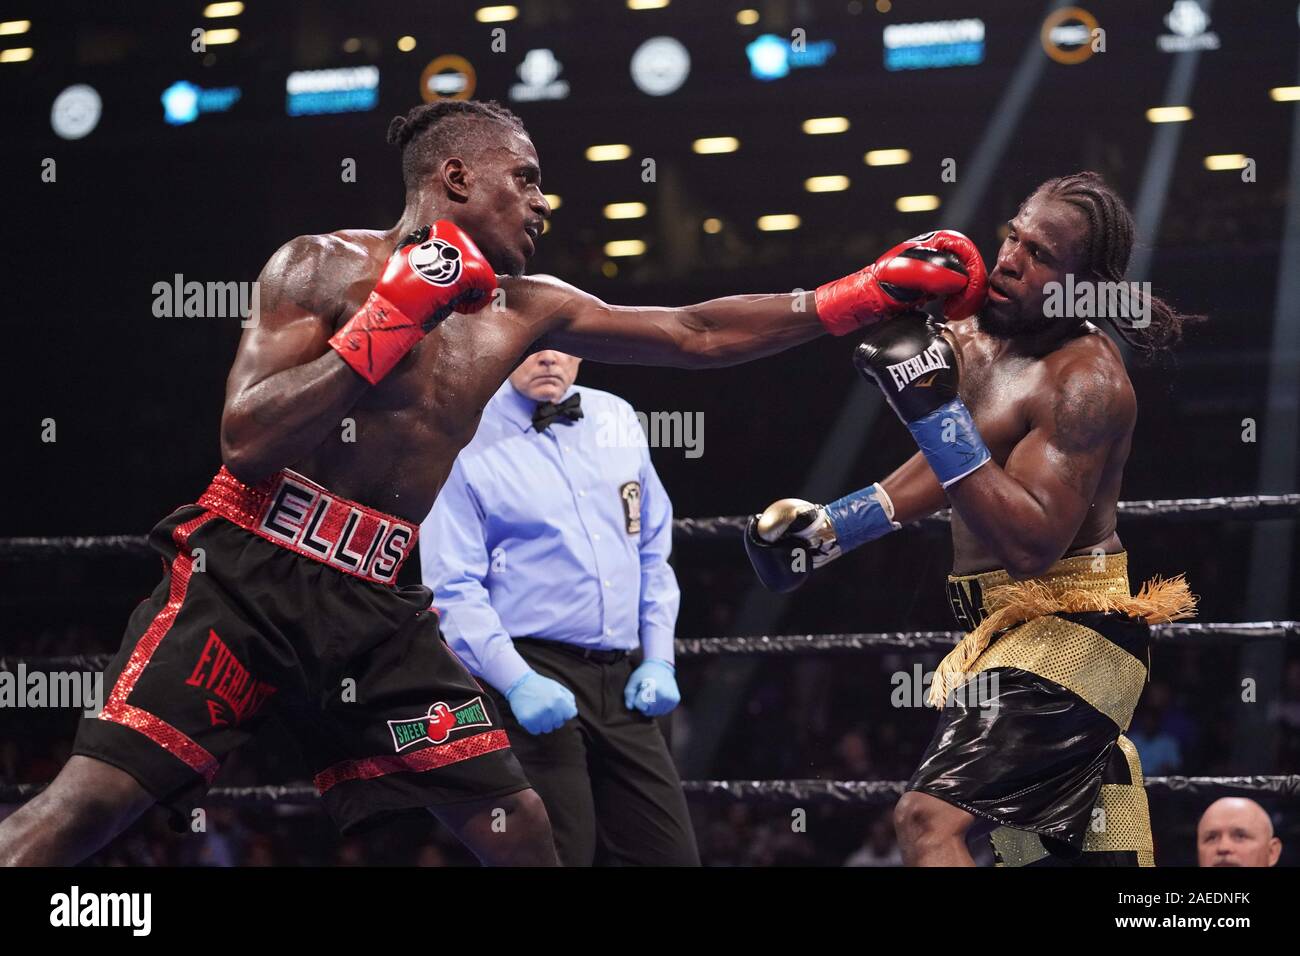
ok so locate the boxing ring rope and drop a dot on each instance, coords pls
(810, 792)
(800, 644)
(860, 793)
(1238, 508)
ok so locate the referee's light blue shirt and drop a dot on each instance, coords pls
(562, 534)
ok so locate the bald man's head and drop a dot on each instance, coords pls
(1236, 831)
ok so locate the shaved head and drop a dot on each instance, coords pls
(1236, 831)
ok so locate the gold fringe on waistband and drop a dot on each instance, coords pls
(1159, 601)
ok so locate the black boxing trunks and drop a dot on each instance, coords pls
(279, 599)
(1035, 702)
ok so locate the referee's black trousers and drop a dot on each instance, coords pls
(606, 777)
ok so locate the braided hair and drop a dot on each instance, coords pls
(431, 132)
(1107, 248)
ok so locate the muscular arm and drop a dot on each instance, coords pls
(711, 334)
(287, 387)
(914, 490)
(1028, 511)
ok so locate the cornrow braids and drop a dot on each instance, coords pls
(430, 132)
(1109, 245)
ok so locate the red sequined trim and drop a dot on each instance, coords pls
(299, 515)
(430, 758)
(118, 710)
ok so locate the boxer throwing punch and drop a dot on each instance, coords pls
(407, 332)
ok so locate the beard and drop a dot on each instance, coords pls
(1008, 320)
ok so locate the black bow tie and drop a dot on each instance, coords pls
(547, 413)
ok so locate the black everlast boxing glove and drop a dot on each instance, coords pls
(915, 362)
(788, 540)
(792, 536)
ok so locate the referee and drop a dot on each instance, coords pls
(548, 558)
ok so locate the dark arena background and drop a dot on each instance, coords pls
(691, 149)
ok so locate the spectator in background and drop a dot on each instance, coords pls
(1236, 831)
(880, 847)
(1157, 749)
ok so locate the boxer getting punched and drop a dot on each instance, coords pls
(1024, 423)
(278, 595)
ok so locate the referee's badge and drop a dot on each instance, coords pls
(631, 495)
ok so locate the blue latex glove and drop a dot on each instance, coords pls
(541, 704)
(652, 689)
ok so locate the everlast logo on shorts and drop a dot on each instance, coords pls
(437, 726)
(335, 532)
(906, 372)
(239, 694)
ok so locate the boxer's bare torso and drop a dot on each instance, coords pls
(1019, 399)
(407, 430)
(1060, 421)
(289, 395)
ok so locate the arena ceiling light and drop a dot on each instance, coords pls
(712, 225)
(1221, 161)
(1169, 114)
(607, 152)
(747, 17)
(826, 184)
(214, 11)
(624, 247)
(778, 222)
(553, 200)
(716, 144)
(16, 55)
(887, 157)
(76, 111)
(646, 4)
(1284, 94)
(13, 27)
(660, 66)
(498, 14)
(406, 44)
(822, 125)
(219, 37)
(916, 203)
(625, 210)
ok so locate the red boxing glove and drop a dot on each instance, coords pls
(943, 263)
(434, 271)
